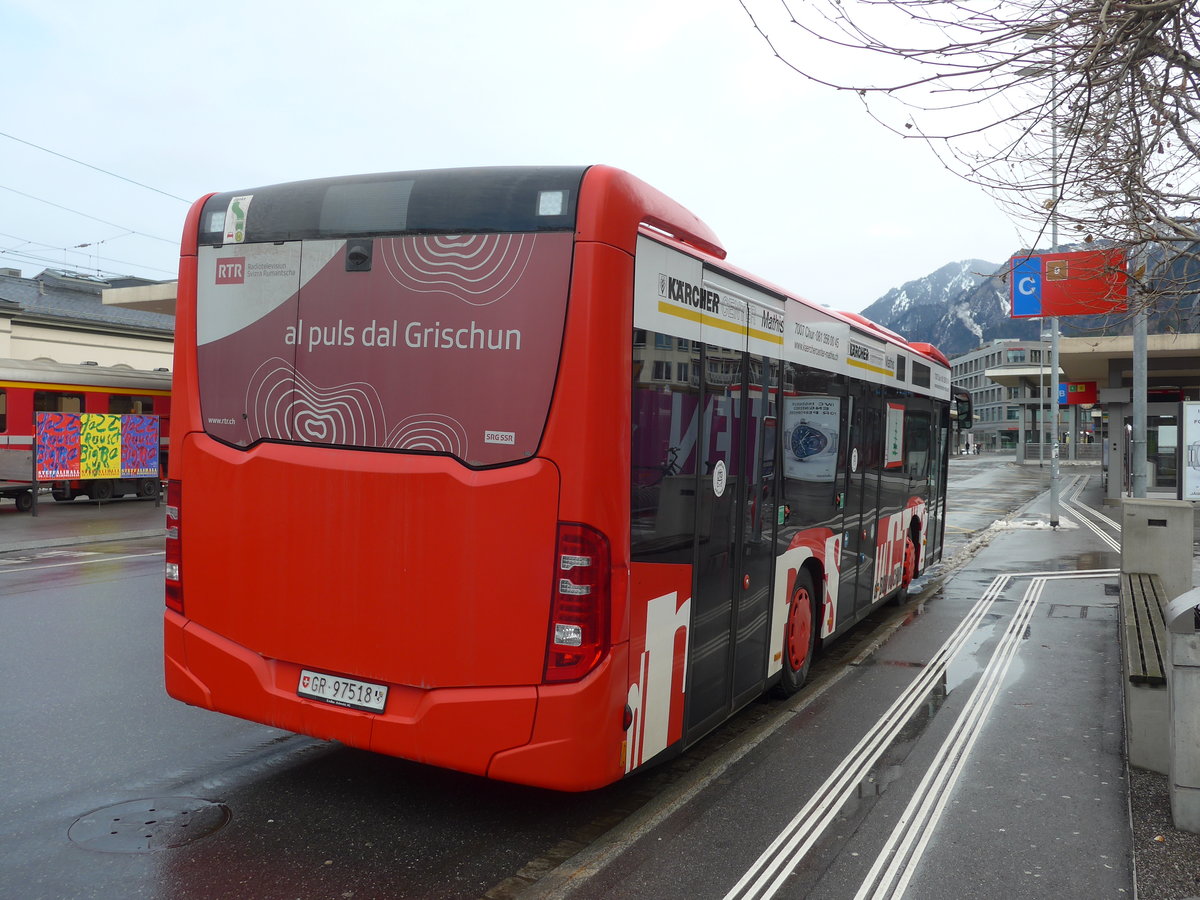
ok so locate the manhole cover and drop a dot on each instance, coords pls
(142, 826)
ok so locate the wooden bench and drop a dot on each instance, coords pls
(1144, 640)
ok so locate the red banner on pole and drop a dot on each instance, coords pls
(1083, 283)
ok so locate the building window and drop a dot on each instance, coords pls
(662, 341)
(123, 404)
(1015, 356)
(662, 370)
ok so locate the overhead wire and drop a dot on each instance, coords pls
(153, 237)
(127, 231)
(80, 162)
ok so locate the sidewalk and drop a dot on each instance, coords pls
(78, 522)
(1166, 861)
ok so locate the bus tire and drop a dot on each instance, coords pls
(147, 487)
(24, 501)
(799, 636)
(101, 489)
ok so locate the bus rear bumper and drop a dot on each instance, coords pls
(457, 728)
(563, 737)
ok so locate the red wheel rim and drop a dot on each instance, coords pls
(910, 561)
(799, 629)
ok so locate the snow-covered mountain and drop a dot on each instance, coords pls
(949, 308)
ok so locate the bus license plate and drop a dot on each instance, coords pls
(342, 691)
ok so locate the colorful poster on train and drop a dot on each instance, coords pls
(57, 445)
(95, 445)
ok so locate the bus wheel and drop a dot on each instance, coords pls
(101, 489)
(799, 636)
(147, 487)
(24, 501)
(909, 572)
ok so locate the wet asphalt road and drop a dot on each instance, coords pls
(88, 731)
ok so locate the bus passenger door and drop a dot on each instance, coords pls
(755, 548)
(720, 493)
(938, 470)
(862, 499)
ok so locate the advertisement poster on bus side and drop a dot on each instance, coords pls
(810, 437)
(893, 448)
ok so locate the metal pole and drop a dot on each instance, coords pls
(1041, 404)
(1137, 460)
(1054, 320)
(1054, 420)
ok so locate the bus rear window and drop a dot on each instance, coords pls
(443, 344)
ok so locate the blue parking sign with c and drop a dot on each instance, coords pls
(1027, 286)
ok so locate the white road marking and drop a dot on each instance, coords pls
(904, 848)
(784, 854)
(83, 562)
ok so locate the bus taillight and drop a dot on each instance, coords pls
(174, 596)
(579, 607)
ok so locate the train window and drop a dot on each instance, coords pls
(57, 401)
(123, 404)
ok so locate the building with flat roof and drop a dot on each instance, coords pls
(1173, 375)
(1006, 414)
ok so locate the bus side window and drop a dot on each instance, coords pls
(3, 410)
(665, 419)
(812, 408)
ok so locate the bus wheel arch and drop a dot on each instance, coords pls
(800, 632)
(912, 540)
(909, 568)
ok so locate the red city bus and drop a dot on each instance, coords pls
(507, 470)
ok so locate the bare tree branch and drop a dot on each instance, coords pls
(1081, 110)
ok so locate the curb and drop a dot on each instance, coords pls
(46, 543)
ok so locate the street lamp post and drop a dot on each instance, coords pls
(1036, 33)
(1054, 472)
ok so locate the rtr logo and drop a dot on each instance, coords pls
(231, 270)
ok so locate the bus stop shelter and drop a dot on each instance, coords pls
(1173, 374)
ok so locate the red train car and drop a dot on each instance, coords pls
(29, 387)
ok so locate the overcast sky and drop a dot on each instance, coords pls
(802, 188)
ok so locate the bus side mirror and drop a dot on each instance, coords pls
(962, 411)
